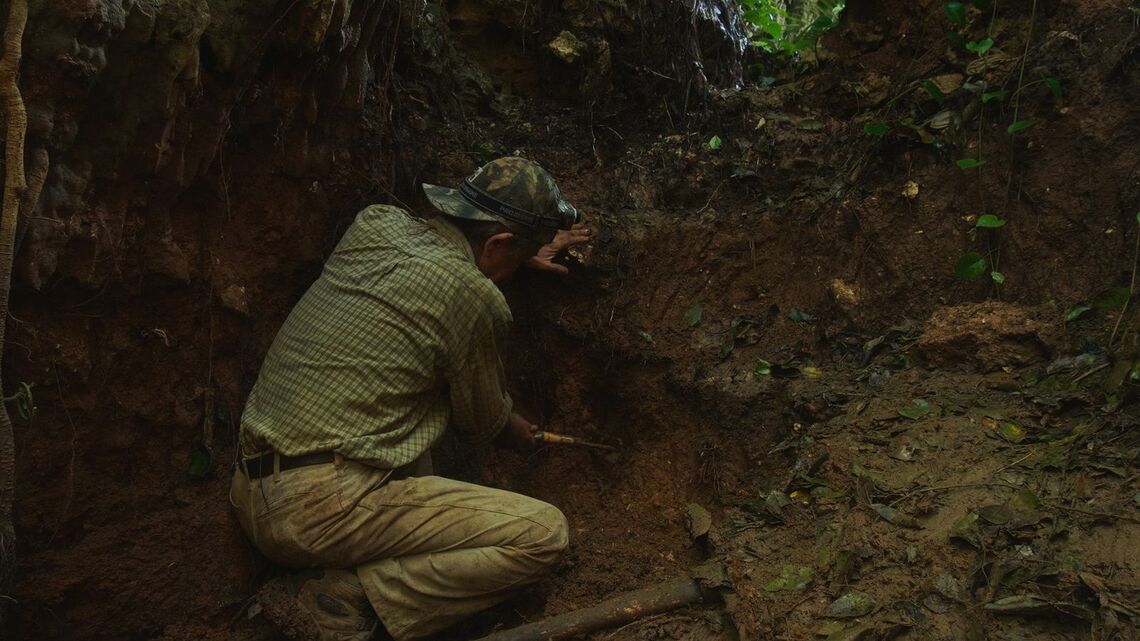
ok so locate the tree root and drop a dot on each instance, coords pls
(14, 186)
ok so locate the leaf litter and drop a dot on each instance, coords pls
(1005, 533)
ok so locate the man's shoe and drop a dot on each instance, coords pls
(319, 605)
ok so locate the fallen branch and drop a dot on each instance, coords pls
(1103, 515)
(942, 488)
(618, 610)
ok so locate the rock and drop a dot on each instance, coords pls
(235, 298)
(990, 335)
(850, 605)
(845, 295)
(567, 47)
(697, 520)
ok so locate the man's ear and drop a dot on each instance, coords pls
(499, 244)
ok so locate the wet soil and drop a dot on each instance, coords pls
(827, 309)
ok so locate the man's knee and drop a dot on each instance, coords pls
(552, 537)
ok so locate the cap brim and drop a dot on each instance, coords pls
(448, 201)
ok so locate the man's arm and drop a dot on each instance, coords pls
(480, 404)
(517, 434)
(478, 320)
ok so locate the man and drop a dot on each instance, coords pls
(397, 339)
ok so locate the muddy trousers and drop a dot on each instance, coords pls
(429, 551)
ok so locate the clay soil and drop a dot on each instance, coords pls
(852, 417)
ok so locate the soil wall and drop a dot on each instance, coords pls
(192, 163)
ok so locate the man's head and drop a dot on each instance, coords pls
(507, 209)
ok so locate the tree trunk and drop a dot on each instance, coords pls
(14, 185)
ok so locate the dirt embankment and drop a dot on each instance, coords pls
(143, 327)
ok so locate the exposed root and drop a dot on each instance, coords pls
(14, 187)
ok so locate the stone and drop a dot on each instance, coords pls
(990, 335)
(567, 47)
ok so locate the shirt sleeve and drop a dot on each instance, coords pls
(480, 404)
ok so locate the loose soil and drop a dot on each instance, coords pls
(848, 412)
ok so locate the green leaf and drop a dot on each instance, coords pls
(1138, 217)
(1019, 125)
(980, 48)
(693, 316)
(1054, 86)
(956, 12)
(893, 516)
(1134, 373)
(992, 95)
(763, 368)
(876, 129)
(998, 277)
(645, 336)
(824, 492)
(969, 163)
(970, 266)
(201, 462)
(791, 578)
(933, 90)
(990, 221)
(1112, 299)
(1075, 312)
(714, 143)
(916, 410)
(800, 316)
(1010, 432)
(966, 528)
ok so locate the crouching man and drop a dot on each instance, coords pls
(399, 338)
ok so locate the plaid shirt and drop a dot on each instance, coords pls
(399, 335)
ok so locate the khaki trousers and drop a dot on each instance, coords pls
(429, 551)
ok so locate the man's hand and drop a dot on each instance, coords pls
(544, 259)
(517, 434)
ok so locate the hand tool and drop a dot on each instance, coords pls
(551, 437)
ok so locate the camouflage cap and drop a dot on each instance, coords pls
(513, 191)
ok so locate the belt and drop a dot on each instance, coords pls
(262, 466)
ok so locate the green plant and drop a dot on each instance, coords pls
(993, 95)
(1019, 125)
(877, 129)
(973, 264)
(714, 143)
(934, 91)
(989, 221)
(970, 266)
(980, 48)
(1054, 86)
(790, 31)
(956, 12)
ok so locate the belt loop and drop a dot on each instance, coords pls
(338, 460)
(276, 467)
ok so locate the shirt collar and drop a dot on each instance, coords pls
(453, 236)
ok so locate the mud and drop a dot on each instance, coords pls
(814, 274)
